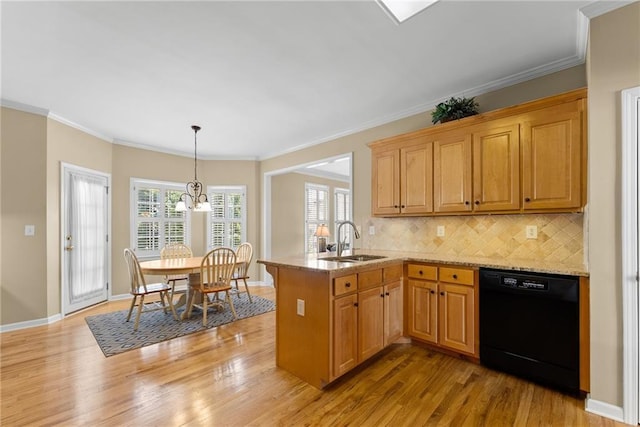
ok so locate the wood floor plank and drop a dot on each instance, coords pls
(57, 375)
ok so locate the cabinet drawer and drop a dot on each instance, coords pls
(424, 272)
(462, 276)
(392, 273)
(345, 284)
(367, 279)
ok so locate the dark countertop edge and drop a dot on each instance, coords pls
(317, 264)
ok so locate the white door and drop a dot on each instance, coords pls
(85, 238)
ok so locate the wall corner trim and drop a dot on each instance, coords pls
(604, 409)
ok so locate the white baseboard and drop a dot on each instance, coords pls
(30, 323)
(604, 409)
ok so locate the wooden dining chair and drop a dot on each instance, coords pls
(174, 251)
(244, 254)
(140, 288)
(216, 270)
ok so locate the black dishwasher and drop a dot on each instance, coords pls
(529, 326)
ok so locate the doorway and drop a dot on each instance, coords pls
(631, 253)
(85, 238)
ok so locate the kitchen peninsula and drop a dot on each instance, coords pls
(332, 315)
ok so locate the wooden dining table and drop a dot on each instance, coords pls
(175, 266)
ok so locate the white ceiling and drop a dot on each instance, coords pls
(264, 78)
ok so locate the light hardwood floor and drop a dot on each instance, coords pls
(57, 375)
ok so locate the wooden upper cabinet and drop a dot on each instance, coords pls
(452, 174)
(496, 168)
(403, 179)
(552, 158)
(385, 178)
(530, 157)
(416, 178)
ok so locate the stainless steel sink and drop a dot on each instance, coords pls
(353, 258)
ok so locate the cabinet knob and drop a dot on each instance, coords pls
(387, 293)
(402, 206)
(527, 199)
(355, 304)
(442, 293)
(420, 272)
(395, 206)
(455, 276)
(432, 291)
(466, 202)
(347, 285)
(477, 202)
(381, 295)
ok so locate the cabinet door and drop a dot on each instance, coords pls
(452, 174)
(416, 178)
(385, 176)
(370, 322)
(552, 159)
(456, 317)
(496, 168)
(392, 312)
(423, 310)
(345, 334)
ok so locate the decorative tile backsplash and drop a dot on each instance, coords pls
(560, 236)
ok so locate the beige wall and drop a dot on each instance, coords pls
(287, 213)
(613, 65)
(24, 198)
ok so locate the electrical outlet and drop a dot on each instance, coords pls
(440, 231)
(372, 230)
(531, 232)
(300, 308)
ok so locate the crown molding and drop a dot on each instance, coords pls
(79, 127)
(15, 105)
(597, 8)
(180, 153)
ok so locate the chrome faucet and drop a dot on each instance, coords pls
(340, 247)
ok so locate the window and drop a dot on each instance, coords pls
(227, 222)
(342, 206)
(316, 213)
(154, 220)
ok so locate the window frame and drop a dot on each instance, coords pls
(135, 184)
(347, 212)
(227, 189)
(310, 243)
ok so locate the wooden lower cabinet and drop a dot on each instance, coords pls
(370, 322)
(345, 335)
(368, 319)
(440, 312)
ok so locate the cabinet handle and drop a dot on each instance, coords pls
(455, 276)
(527, 199)
(477, 202)
(347, 285)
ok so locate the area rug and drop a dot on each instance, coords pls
(114, 335)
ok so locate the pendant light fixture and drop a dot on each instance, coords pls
(194, 198)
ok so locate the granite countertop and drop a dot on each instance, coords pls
(315, 262)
